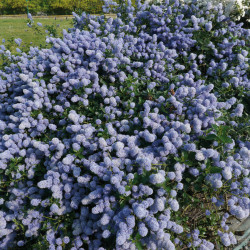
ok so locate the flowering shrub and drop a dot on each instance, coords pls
(234, 8)
(128, 133)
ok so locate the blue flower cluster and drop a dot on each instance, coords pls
(101, 133)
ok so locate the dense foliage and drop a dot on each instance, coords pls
(128, 133)
(50, 6)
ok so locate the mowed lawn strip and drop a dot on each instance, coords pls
(11, 28)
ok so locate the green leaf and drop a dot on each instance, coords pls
(215, 127)
(185, 155)
(191, 156)
(189, 163)
(214, 170)
(138, 242)
(211, 137)
(225, 139)
(177, 159)
(225, 129)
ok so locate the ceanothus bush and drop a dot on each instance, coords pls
(127, 133)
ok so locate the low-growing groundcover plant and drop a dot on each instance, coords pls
(127, 133)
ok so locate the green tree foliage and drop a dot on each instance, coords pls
(13, 6)
(50, 6)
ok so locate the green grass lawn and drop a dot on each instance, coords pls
(16, 27)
